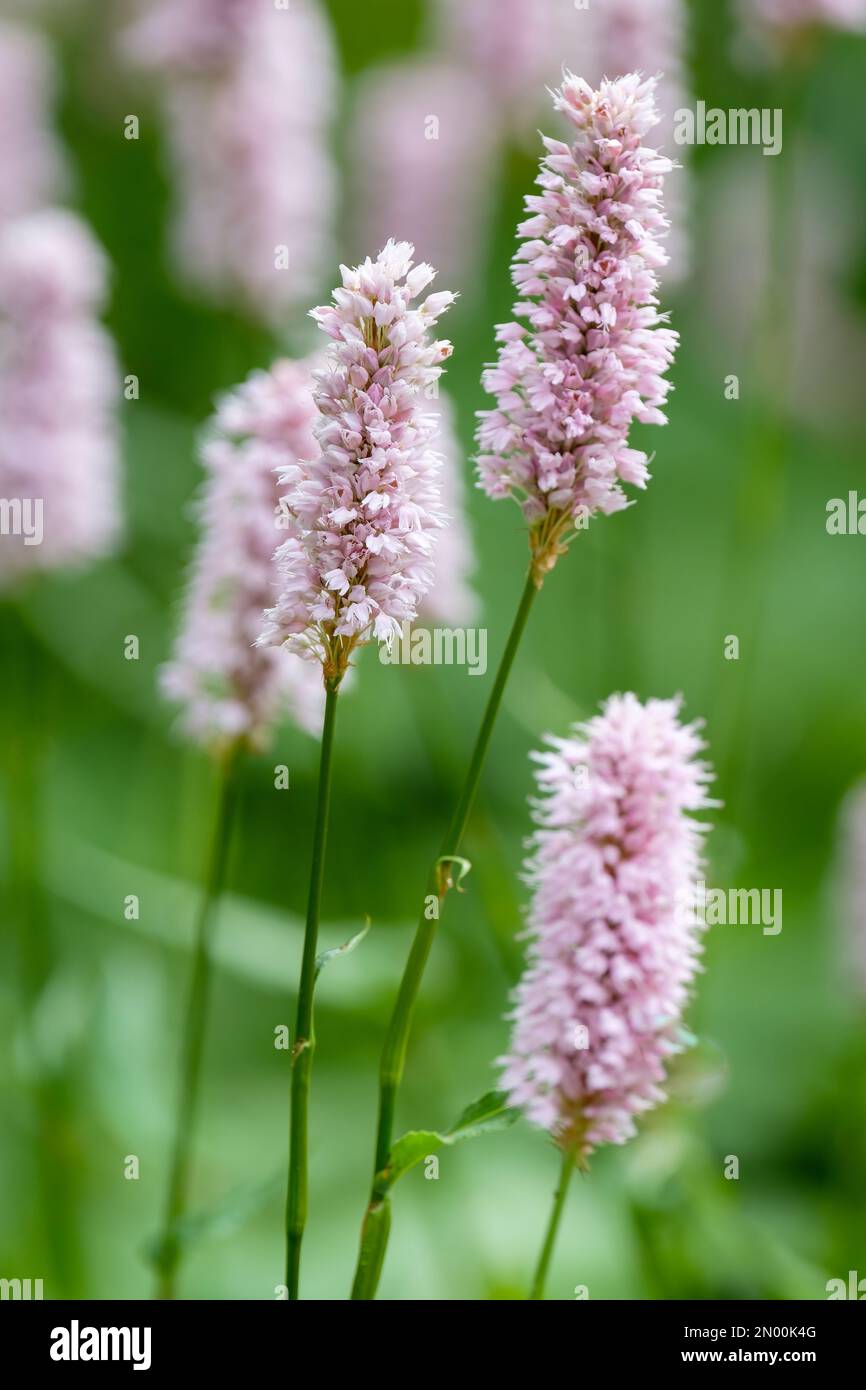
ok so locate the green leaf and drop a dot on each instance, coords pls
(325, 956)
(483, 1116)
(490, 1112)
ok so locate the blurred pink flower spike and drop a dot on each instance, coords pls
(248, 90)
(59, 393)
(229, 688)
(31, 163)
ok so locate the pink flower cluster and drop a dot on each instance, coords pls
(363, 514)
(31, 165)
(229, 688)
(428, 131)
(417, 177)
(513, 47)
(592, 357)
(59, 389)
(248, 90)
(189, 35)
(614, 937)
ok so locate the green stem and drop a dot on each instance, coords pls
(304, 1041)
(537, 1291)
(397, 1037)
(169, 1255)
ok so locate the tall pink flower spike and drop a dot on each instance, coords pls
(512, 48)
(59, 393)
(31, 164)
(592, 357)
(229, 688)
(416, 175)
(364, 512)
(248, 91)
(615, 936)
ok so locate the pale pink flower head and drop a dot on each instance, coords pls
(31, 165)
(189, 35)
(614, 930)
(59, 392)
(423, 160)
(512, 47)
(362, 515)
(230, 689)
(248, 92)
(591, 357)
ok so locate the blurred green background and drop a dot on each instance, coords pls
(101, 799)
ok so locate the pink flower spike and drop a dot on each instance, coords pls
(363, 512)
(594, 355)
(615, 934)
(416, 175)
(229, 688)
(59, 393)
(513, 48)
(247, 90)
(31, 164)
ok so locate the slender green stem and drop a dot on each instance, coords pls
(397, 1037)
(565, 1173)
(304, 1041)
(170, 1249)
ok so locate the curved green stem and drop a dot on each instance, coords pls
(304, 1040)
(397, 1037)
(537, 1290)
(169, 1249)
